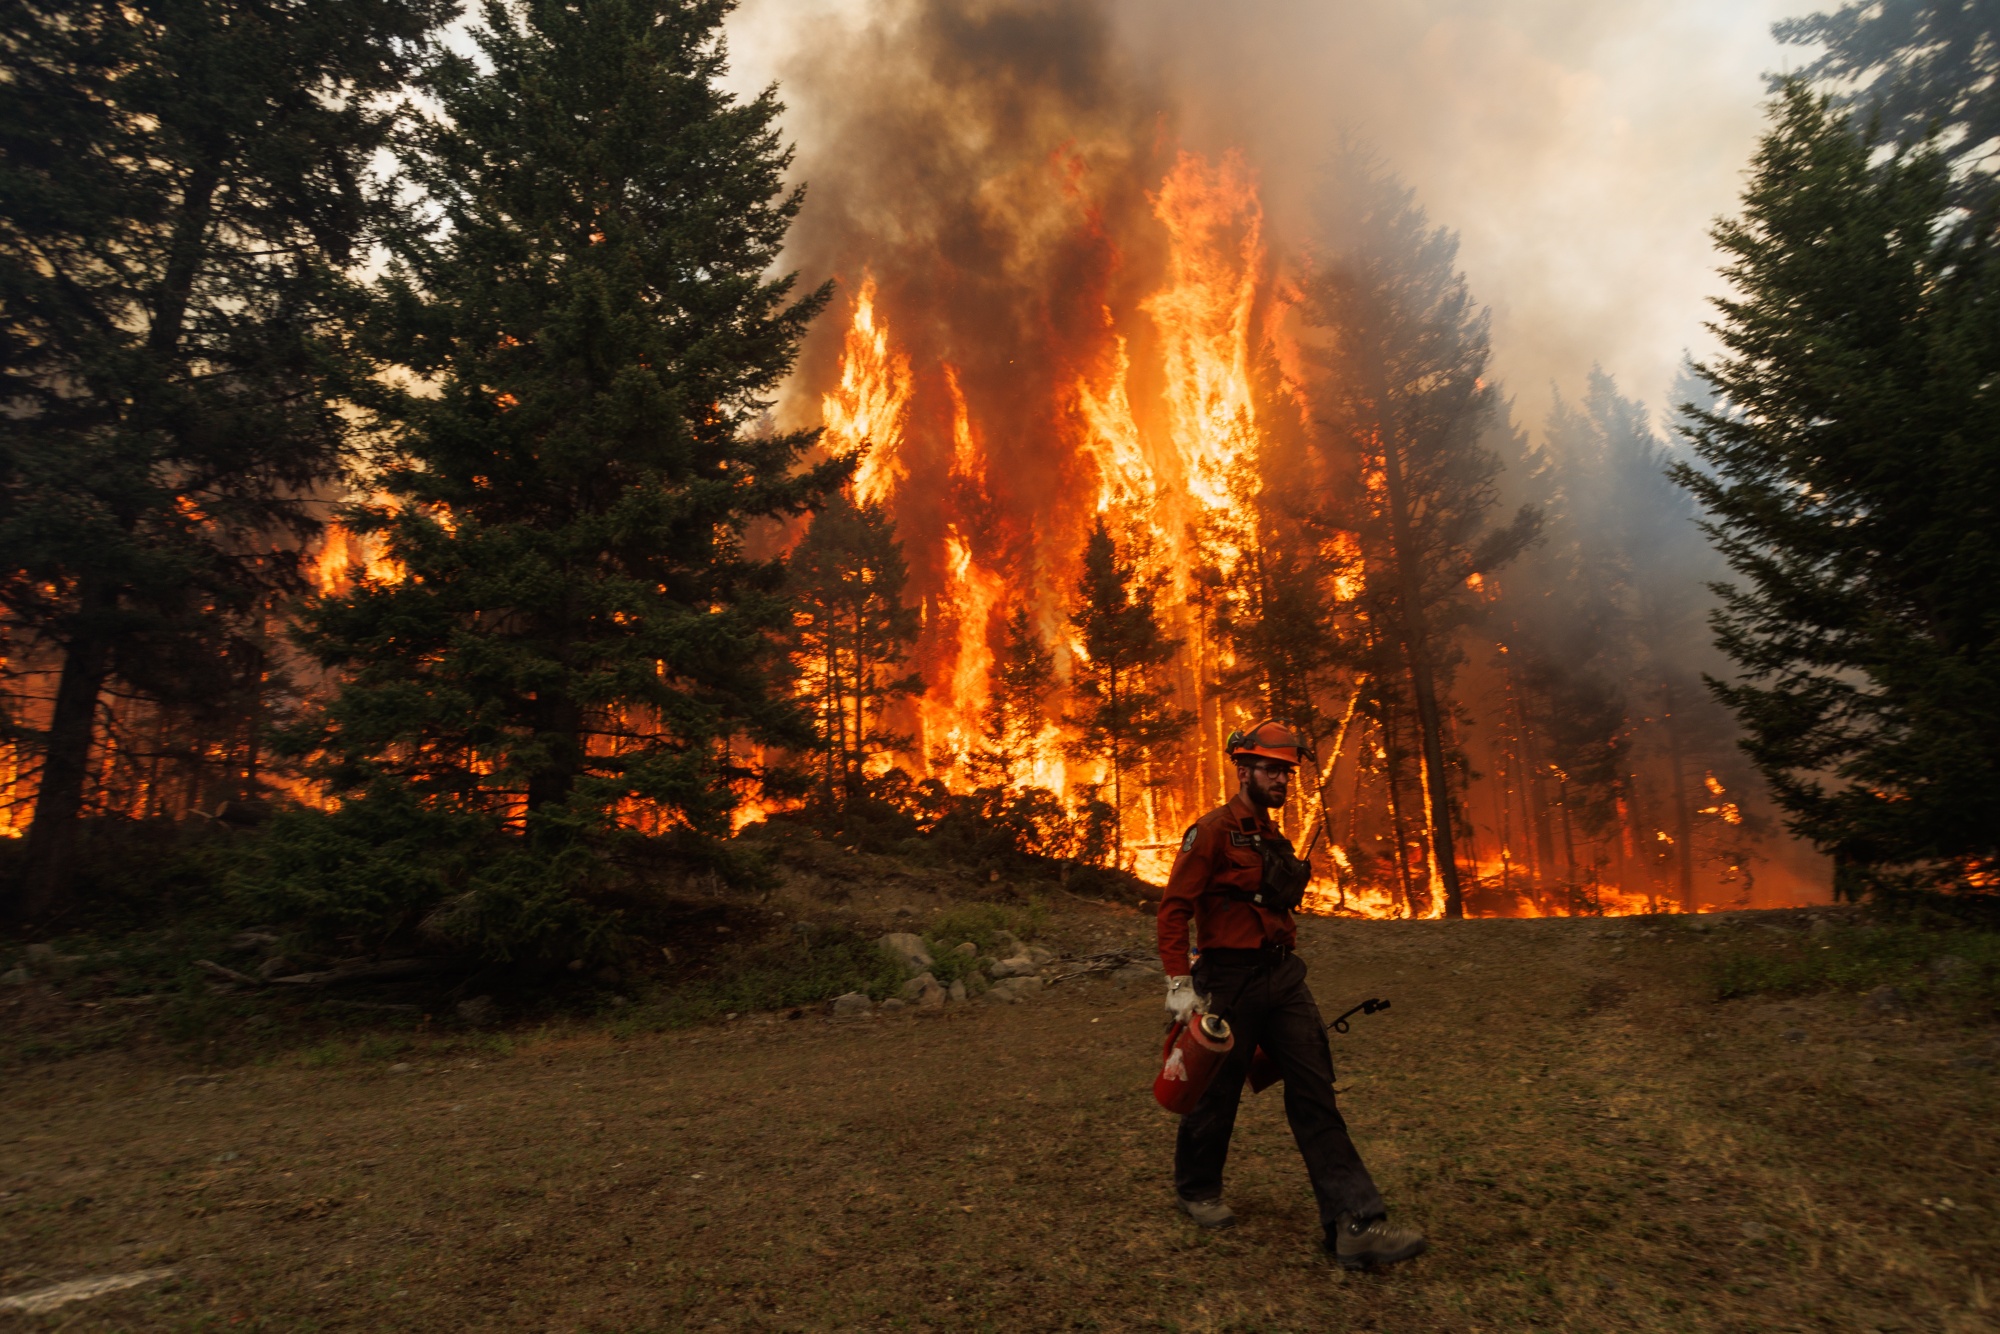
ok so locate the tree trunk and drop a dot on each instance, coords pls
(1396, 823)
(1423, 684)
(184, 255)
(49, 859)
(1683, 818)
(559, 727)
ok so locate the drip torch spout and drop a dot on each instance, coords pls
(1369, 1006)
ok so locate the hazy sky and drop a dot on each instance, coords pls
(1581, 148)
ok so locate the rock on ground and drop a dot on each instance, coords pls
(854, 1005)
(1013, 990)
(909, 947)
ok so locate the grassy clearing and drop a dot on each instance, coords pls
(1593, 1142)
(1956, 968)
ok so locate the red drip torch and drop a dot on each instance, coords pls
(1189, 1060)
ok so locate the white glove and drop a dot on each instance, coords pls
(1180, 997)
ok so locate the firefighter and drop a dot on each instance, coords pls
(1237, 879)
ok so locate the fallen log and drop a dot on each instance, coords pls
(228, 974)
(385, 970)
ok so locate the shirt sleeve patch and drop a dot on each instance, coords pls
(1187, 840)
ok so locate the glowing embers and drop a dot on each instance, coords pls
(869, 408)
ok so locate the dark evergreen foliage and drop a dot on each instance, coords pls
(1852, 476)
(850, 633)
(182, 183)
(1125, 713)
(575, 632)
(1919, 67)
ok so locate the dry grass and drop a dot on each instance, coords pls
(1592, 1144)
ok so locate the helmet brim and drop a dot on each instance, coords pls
(1240, 755)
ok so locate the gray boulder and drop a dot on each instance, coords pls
(1136, 972)
(917, 986)
(931, 997)
(1013, 990)
(893, 1004)
(908, 947)
(957, 991)
(1005, 945)
(1041, 954)
(17, 977)
(854, 1005)
(967, 948)
(1020, 965)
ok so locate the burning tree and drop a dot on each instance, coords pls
(1015, 727)
(1850, 480)
(573, 630)
(850, 632)
(1403, 350)
(1125, 716)
(183, 186)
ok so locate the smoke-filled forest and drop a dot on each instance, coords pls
(463, 472)
(956, 665)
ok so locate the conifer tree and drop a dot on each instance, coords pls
(1125, 712)
(1017, 708)
(850, 633)
(1406, 353)
(1919, 68)
(1852, 473)
(182, 183)
(577, 629)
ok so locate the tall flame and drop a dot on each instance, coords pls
(868, 409)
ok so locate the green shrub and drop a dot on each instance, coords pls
(1960, 966)
(799, 970)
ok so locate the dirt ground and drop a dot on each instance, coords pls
(1591, 1144)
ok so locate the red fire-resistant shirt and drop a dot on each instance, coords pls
(1216, 857)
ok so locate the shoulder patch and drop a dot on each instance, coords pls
(1187, 839)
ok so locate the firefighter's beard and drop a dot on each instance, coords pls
(1265, 789)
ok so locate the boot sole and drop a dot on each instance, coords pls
(1383, 1259)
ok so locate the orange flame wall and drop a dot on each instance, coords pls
(1134, 405)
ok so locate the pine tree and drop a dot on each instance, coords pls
(1918, 67)
(1125, 713)
(850, 633)
(577, 631)
(1851, 480)
(1017, 708)
(182, 183)
(1405, 360)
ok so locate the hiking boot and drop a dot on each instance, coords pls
(1373, 1244)
(1208, 1213)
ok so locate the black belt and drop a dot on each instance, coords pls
(1269, 954)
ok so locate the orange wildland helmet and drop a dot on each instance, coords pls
(1270, 739)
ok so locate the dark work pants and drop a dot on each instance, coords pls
(1268, 1005)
